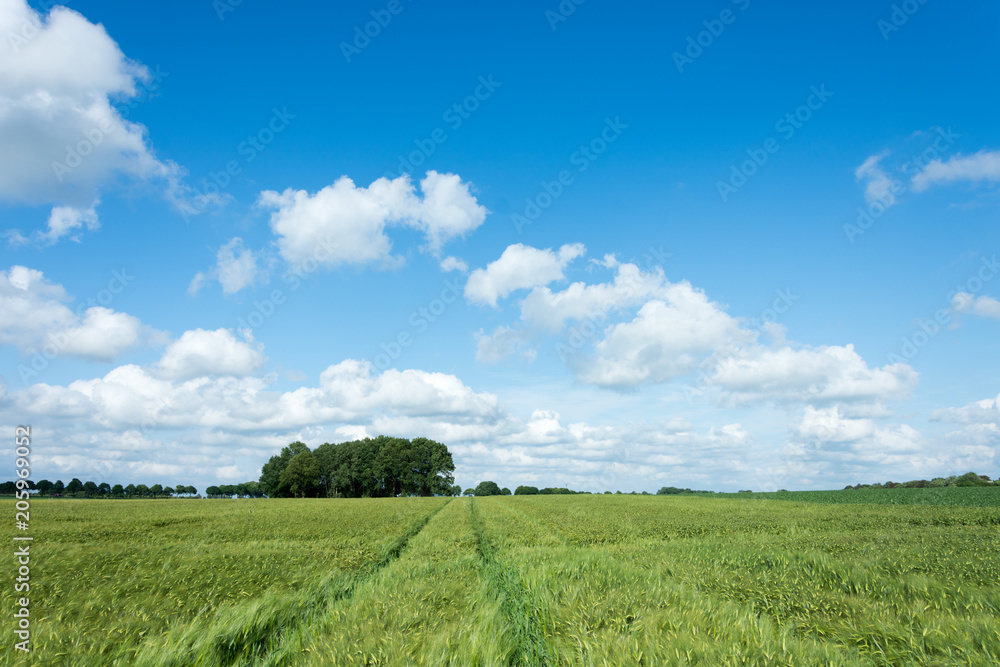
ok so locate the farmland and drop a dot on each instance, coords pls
(522, 580)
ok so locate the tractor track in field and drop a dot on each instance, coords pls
(530, 647)
(262, 639)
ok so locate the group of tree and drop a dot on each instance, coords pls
(370, 468)
(968, 479)
(242, 490)
(486, 489)
(77, 489)
(535, 491)
(674, 491)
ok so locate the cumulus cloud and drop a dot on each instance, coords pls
(205, 380)
(65, 221)
(813, 374)
(519, 267)
(62, 139)
(199, 353)
(984, 166)
(983, 306)
(878, 185)
(640, 328)
(986, 411)
(502, 343)
(34, 316)
(667, 338)
(236, 267)
(454, 264)
(346, 224)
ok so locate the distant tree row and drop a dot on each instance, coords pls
(674, 491)
(535, 491)
(77, 489)
(242, 490)
(370, 468)
(968, 479)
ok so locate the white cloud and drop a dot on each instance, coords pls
(63, 142)
(64, 220)
(983, 306)
(502, 343)
(454, 264)
(986, 411)
(668, 338)
(34, 316)
(983, 166)
(200, 353)
(236, 268)
(449, 209)
(817, 375)
(631, 287)
(346, 224)
(878, 185)
(828, 425)
(519, 267)
(642, 329)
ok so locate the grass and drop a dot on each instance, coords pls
(108, 576)
(972, 496)
(545, 580)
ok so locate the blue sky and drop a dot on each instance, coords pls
(725, 245)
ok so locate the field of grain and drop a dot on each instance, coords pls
(523, 580)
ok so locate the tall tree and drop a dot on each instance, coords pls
(270, 474)
(487, 489)
(44, 486)
(301, 475)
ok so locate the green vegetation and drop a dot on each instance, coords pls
(117, 574)
(381, 467)
(977, 496)
(78, 489)
(517, 580)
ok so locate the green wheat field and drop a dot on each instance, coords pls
(523, 580)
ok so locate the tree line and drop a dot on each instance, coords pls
(77, 489)
(968, 479)
(381, 467)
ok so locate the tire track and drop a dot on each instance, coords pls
(530, 648)
(255, 633)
